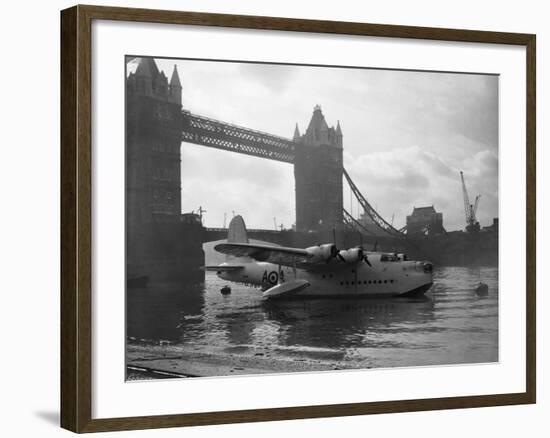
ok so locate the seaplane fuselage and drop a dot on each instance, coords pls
(383, 275)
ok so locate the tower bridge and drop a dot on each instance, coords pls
(318, 168)
(157, 124)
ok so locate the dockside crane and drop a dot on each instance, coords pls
(472, 224)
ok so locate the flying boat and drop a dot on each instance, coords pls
(321, 271)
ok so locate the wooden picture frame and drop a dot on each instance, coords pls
(76, 217)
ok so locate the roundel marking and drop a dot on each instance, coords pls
(273, 277)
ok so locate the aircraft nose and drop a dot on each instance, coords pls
(428, 267)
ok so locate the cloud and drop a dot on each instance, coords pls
(396, 181)
(223, 182)
(277, 78)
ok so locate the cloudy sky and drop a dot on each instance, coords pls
(406, 136)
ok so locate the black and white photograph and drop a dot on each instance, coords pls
(250, 219)
(287, 218)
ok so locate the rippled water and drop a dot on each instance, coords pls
(450, 325)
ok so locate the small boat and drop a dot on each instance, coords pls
(226, 290)
(140, 281)
(482, 289)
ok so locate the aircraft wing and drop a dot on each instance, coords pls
(222, 268)
(278, 255)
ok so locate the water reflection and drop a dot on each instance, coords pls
(342, 323)
(449, 325)
(154, 312)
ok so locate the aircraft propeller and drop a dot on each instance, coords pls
(363, 256)
(366, 259)
(334, 253)
(340, 257)
(357, 254)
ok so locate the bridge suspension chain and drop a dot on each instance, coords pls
(354, 224)
(371, 212)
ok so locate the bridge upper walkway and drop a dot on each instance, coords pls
(220, 135)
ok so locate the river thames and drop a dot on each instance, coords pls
(197, 331)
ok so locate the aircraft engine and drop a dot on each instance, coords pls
(322, 253)
(352, 255)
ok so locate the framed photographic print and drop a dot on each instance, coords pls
(268, 218)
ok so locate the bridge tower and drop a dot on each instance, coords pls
(318, 171)
(157, 237)
(153, 138)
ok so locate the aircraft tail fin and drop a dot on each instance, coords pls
(237, 234)
(237, 231)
